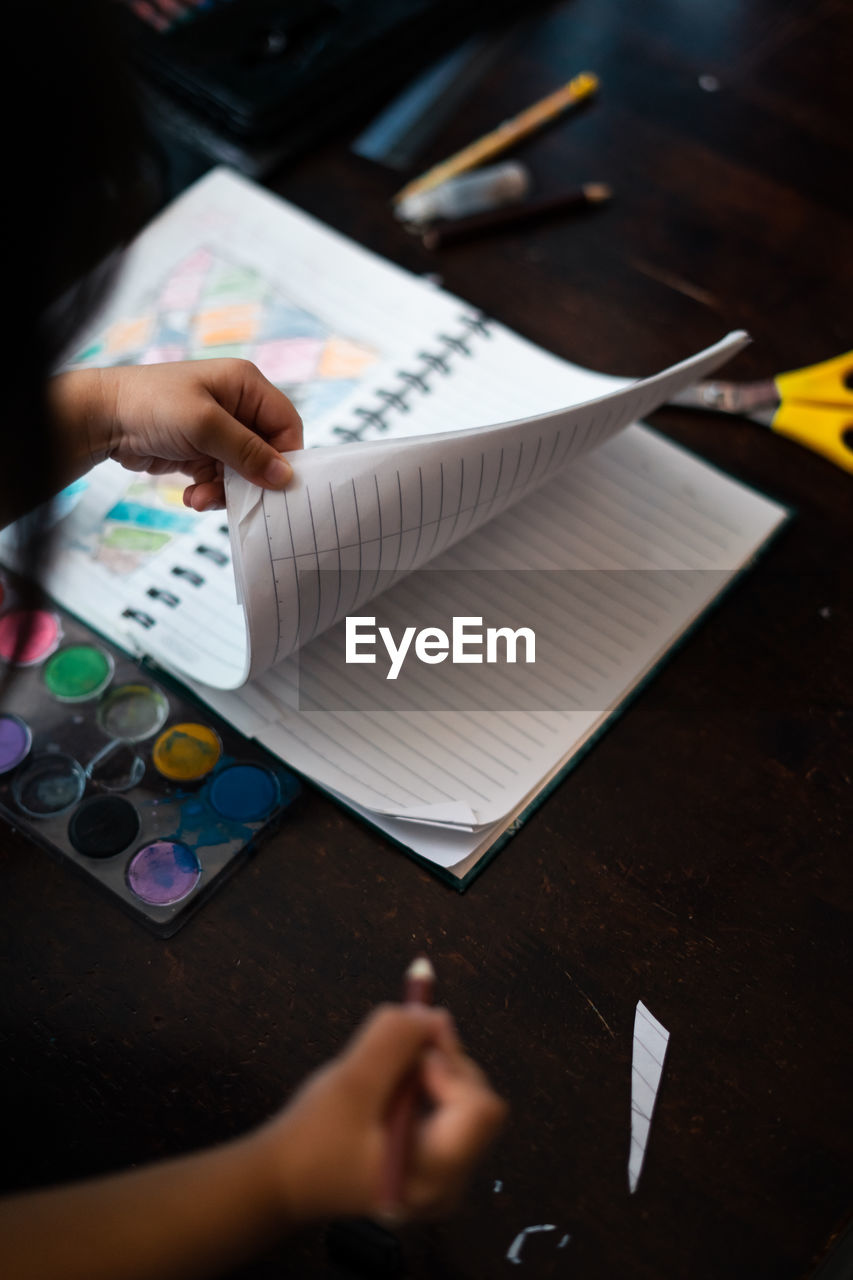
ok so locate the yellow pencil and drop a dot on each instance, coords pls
(505, 135)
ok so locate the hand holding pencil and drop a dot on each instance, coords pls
(345, 1147)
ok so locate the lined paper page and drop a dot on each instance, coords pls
(369, 510)
(649, 1050)
(638, 503)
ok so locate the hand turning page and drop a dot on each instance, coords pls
(356, 518)
(372, 513)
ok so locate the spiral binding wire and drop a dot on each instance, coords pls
(186, 575)
(413, 382)
(416, 382)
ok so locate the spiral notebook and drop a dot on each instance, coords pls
(443, 474)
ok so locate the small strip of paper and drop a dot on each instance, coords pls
(514, 1252)
(650, 1041)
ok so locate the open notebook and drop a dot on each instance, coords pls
(609, 540)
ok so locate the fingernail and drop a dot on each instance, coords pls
(278, 472)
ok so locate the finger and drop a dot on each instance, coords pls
(258, 403)
(451, 1140)
(450, 1064)
(204, 470)
(455, 1080)
(209, 496)
(448, 1036)
(229, 441)
(385, 1049)
(467, 1112)
(207, 490)
(454, 1135)
(158, 466)
(136, 462)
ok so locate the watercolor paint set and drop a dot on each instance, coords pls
(121, 775)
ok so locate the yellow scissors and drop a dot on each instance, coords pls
(813, 406)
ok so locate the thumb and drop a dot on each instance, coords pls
(386, 1048)
(236, 445)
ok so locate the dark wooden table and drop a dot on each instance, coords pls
(698, 859)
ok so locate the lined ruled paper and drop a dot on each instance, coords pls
(649, 1050)
(377, 511)
(634, 505)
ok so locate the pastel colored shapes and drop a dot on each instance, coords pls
(236, 323)
(342, 358)
(129, 335)
(287, 360)
(167, 354)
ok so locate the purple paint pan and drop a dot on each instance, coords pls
(15, 741)
(163, 872)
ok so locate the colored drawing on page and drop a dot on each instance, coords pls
(183, 288)
(344, 359)
(141, 524)
(211, 306)
(168, 353)
(237, 322)
(231, 282)
(288, 360)
(129, 335)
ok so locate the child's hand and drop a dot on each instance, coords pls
(195, 417)
(329, 1146)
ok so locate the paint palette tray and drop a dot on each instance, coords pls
(124, 777)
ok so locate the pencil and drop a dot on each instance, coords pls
(450, 231)
(418, 988)
(511, 131)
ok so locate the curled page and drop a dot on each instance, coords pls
(359, 517)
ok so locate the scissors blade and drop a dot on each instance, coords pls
(756, 400)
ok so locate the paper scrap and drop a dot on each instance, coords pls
(514, 1251)
(650, 1041)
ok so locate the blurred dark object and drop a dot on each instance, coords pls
(361, 1247)
(255, 82)
(407, 124)
(447, 231)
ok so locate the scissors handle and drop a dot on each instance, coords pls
(829, 383)
(823, 428)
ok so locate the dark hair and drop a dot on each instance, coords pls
(80, 181)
